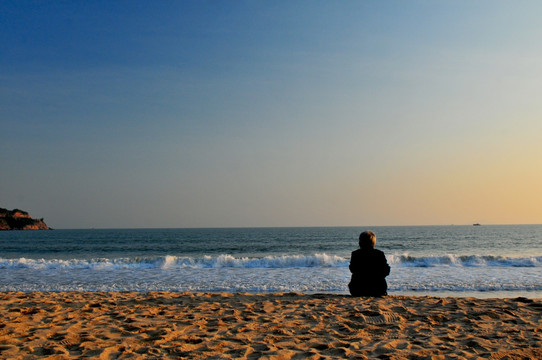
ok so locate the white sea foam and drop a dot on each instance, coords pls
(170, 261)
(464, 261)
(311, 273)
(270, 262)
(244, 279)
(316, 273)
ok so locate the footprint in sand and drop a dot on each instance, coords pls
(380, 318)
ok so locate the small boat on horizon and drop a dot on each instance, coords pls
(477, 224)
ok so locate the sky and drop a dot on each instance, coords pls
(139, 114)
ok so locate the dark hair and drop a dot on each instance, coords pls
(367, 240)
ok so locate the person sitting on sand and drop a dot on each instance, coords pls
(369, 268)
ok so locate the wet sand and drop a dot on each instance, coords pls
(156, 325)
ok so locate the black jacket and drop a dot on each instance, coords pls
(369, 269)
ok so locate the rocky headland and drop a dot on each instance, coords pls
(20, 220)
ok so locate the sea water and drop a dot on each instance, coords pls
(482, 261)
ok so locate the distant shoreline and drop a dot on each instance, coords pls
(285, 227)
(20, 220)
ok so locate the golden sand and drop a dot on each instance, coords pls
(156, 325)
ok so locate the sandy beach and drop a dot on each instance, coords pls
(130, 325)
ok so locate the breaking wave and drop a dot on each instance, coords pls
(284, 261)
(406, 260)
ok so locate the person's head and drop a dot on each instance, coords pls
(367, 240)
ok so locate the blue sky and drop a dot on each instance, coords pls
(271, 113)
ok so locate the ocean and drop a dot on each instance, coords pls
(480, 261)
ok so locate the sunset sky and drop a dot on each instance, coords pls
(271, 113)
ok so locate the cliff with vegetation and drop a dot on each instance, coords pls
(19, 220)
